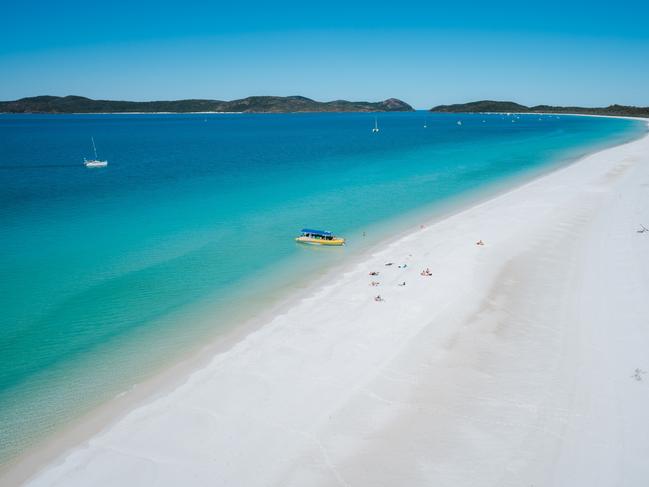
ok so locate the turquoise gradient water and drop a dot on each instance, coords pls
(106, 274)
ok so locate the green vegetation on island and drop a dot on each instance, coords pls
(490, 106)
(252, 104)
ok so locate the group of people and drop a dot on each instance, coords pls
(376, 283)
(378, 297)
(426, 272)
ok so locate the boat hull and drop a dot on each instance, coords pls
(95, 163)
(335, 242)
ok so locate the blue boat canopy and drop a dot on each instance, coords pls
(321, 233)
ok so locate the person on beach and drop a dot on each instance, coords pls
(426, 272)
(374, 273)
(378, 298)
(374, 283)
(479, 242)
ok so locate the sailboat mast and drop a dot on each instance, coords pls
(93, 146)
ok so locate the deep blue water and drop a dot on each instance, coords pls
(107, 273)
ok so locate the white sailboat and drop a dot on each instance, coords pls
(94, 162)
(376, 125)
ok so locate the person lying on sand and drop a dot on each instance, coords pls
(479, 242)
(374, 283)
(402, 283)
(426, 272)
(378, 298)
(403, 266)
(374, 273)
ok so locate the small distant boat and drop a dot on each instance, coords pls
(376, 125)
(459, 122)
(319, 237)
(94, 162)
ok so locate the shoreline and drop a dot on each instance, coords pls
(170, 376)
(160, 386)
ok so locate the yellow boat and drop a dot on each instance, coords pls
(319, 237)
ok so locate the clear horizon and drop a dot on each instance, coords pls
(585, 54)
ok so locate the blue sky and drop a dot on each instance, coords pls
(426, 53)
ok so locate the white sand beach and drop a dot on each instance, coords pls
(520, 362)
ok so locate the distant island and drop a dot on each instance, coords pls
(252, 104)
(511, 107)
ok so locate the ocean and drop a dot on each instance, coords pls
(109, 275)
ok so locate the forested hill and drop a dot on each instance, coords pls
(261, 104)
(484, 106)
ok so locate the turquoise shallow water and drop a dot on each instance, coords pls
(108, 273)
